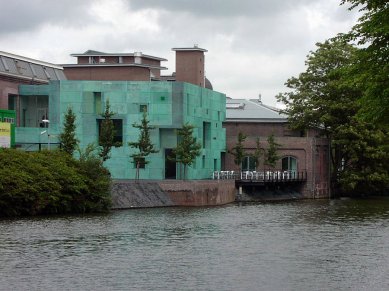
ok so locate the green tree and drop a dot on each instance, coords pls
(325, 97)
(257, 153)
(68, 138)
(238, 150)
(371, 70)
(107, 133)
(271, 156)
(365, 164)
(144, 145)
(187, 148)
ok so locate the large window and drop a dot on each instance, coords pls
(118, 129)
(289, 164)
(248, 164)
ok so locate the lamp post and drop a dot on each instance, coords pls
(46, 122)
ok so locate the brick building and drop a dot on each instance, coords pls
(298, 151)
(16, 70)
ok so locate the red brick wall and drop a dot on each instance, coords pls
(101, 73)
(199, 193)
(310, 151)
(7, 87)
(190, 67)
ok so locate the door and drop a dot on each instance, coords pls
(170, 166)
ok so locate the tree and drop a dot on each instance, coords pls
(365, 163)
(187, 148)
(371, 68)
(271, 156)
(144, 145)
(107, 133)
(325, 97)
(257, 153)
(68, 138)
(238, 150)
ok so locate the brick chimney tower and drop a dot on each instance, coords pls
(190, 65)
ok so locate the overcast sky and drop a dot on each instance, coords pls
(253, 46)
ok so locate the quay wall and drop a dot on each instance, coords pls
(139, 194)
(200, 192)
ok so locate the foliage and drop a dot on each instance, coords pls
(144, 145)
(372, 66)
(271, 156)
(325, 97)
(68, 138)
(257, 153)
(238, 150)
(365, 164)
(107, 133)
(187, 148)
(87, 153)
(51, 182)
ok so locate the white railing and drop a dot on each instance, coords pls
(259, 176)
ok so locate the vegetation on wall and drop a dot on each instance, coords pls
(48, 182)
(271, 156)
(238, 150)
(143, 145)
(67, 138)
(187, 148)
(257, 153)
(107, 133)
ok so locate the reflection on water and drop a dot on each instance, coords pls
(304, 245)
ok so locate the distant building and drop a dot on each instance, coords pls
(100, 66)
(298, 151)
(16, 70)
(169, 105)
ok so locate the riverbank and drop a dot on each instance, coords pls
(141, 193)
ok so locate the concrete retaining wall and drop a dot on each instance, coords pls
(142, 193)
(200, 193)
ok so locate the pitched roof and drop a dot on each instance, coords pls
(16, 66)
(243, 110)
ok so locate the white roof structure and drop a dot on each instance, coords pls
(252, 110)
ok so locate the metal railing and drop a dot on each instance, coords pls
(260, 176)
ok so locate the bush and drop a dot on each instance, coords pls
(51, 182)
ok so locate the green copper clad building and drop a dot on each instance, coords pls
(169, 105)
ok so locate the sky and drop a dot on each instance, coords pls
(253, 46)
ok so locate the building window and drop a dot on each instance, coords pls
(143, 108)
(203, 162)
(118, 130)
(9, 120)
(97, 102)
(248, 164)
(142, 163)
(289, 164)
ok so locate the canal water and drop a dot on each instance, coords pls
(301, 245)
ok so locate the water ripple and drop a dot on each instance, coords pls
(306, 245)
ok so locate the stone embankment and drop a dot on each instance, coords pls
(142, 193)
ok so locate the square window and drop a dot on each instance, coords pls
(118, 130)
(143, 108)
(142, 163)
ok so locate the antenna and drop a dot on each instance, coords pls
(259, 98)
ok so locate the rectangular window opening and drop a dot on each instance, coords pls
(97, 101)
(142, 163)
(118, 130)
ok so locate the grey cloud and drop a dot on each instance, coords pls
(220, 8)
(26, 15)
